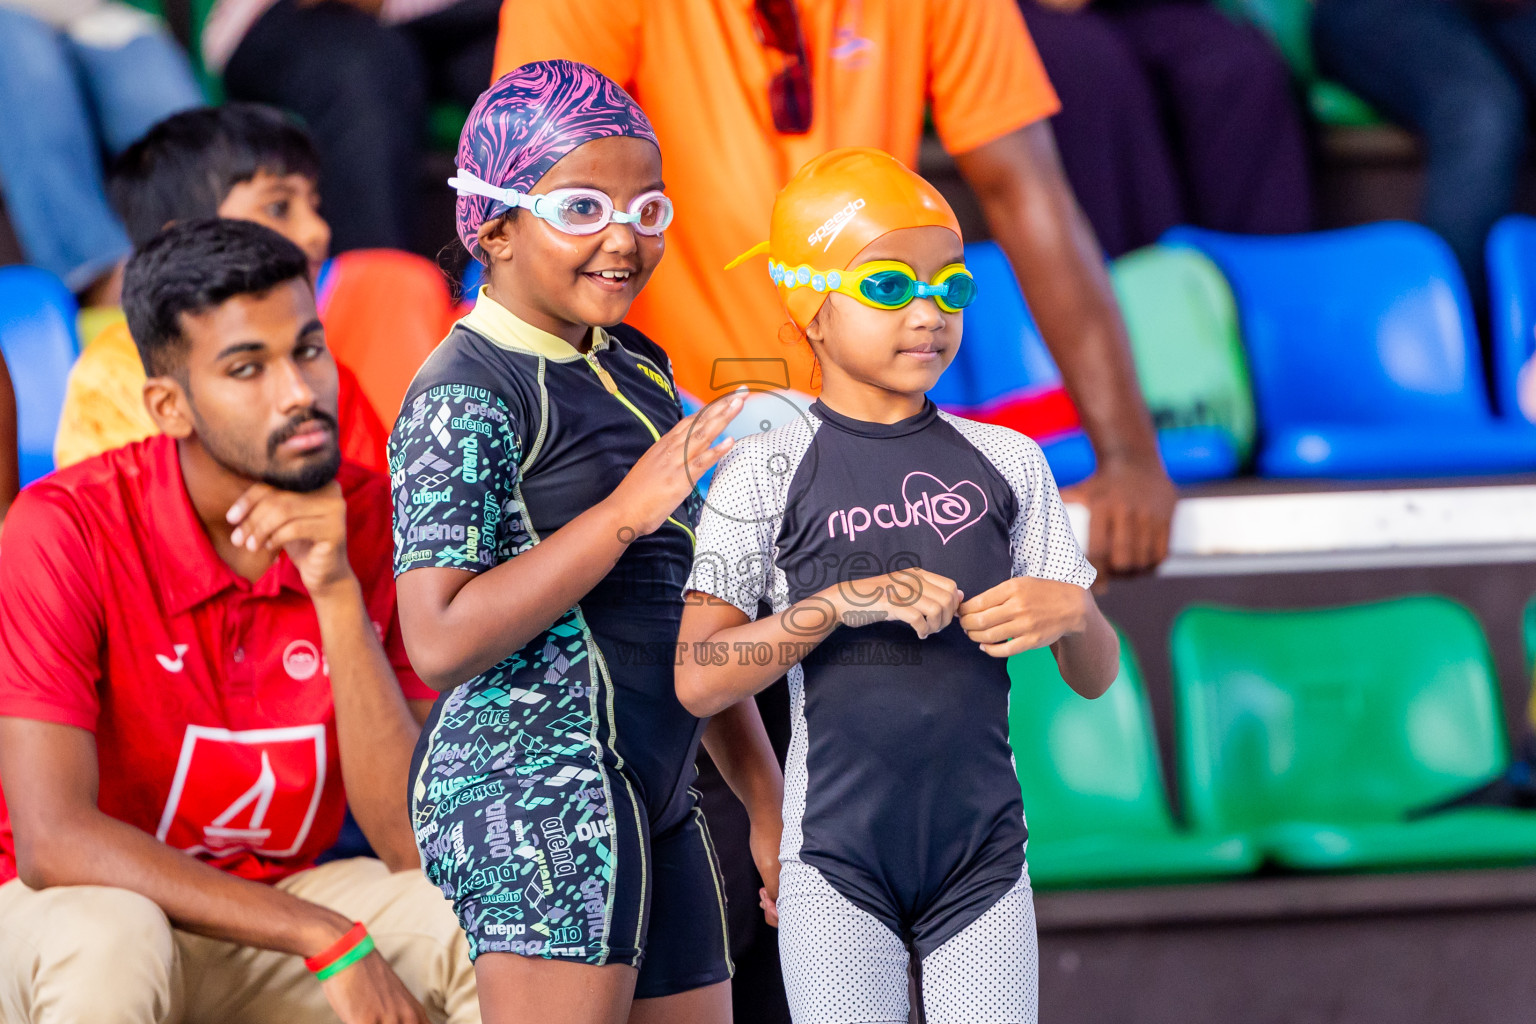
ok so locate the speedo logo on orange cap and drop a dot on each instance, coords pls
(834, 224)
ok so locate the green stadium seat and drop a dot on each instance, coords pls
(1093, 790)
(1184, 334)
(1528, 634)
(1320, 731)
(445, 123)
(1289, 24)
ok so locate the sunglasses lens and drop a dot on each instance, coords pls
(888, 288)
(959, 292)
(789, 95)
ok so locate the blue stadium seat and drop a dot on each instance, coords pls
(1005, 374)
(37, 337)
(1363, 354)
(1190, 455)
(474, 277)
(1511, 256)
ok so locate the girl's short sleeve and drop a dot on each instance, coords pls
(454, 460)
(733, 557)
(1040, 535)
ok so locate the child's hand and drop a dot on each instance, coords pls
(770, 907)
(767, 831)
(1024, 613)
(663, 476)
(923, 600)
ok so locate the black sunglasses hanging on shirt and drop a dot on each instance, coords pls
(789, 93)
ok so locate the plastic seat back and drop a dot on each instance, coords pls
(1085, 766)
(1363, 326)
(470, 283)
(37, 337)
(1511, 262)
(1528, 633)
(384, 311)
(1003, 372)
(1342, 715)
(1182, 322)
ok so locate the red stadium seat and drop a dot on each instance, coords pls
(385, 311)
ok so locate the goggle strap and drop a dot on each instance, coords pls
(757, 250)
(467, 184)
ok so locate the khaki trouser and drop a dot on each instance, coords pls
(97, 955)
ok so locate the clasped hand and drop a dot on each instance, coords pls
(1018, 614)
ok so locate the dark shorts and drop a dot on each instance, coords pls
(567, 868)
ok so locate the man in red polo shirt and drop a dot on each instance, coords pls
(200, 666)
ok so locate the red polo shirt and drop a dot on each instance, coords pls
(209, 695)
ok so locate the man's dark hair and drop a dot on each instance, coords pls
(193, 266)
(186, 165)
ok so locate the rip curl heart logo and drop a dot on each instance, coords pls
(950, 509)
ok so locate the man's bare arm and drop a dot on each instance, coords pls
(1035, 219)
(374, 726)
(50, 777)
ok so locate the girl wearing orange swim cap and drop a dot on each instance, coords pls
(544, 482)
(906, 554)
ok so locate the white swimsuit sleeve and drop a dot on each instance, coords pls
(1040, 535)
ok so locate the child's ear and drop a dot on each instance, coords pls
(495, 238)
(816, 330)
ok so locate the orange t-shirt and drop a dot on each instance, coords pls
(702, 75)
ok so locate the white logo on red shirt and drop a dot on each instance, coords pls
(301, 660)
(175, 664)
(256, 790)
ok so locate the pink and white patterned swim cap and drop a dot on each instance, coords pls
(527, 120)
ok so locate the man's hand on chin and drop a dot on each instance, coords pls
(311, 527)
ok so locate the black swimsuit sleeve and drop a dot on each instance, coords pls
(454, 460)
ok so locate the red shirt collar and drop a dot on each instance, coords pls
(188, 567)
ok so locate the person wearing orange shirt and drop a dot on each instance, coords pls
(744, 92)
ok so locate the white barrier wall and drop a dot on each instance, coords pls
(1332, 530)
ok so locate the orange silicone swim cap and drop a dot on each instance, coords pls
(836, 205)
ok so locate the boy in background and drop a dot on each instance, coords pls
(241, 161)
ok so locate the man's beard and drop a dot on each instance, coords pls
(313, 473)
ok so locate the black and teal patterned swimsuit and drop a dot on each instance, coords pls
(551, 794)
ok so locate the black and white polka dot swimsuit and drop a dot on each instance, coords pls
(903, 823)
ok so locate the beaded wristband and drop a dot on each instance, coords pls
(322, 963)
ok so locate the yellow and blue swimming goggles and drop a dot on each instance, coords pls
(883, 284)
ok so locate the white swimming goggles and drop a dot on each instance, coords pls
(576, 211)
